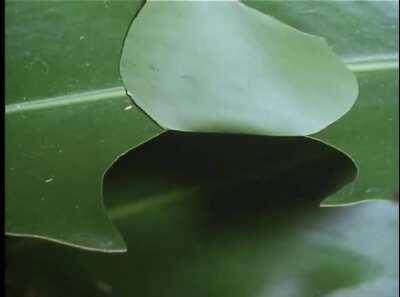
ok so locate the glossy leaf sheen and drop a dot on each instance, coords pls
(31, 149)
(65, 123)
(239, 72)
(55, 48)
(53, 194)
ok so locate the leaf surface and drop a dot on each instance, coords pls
(239, 72)
(57, 48)
(370, 134)
(365, 36)
(356, 30)
(200, 246)
(56, 154)
(67, 118)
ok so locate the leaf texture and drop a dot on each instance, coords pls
(364, 34)
(238, 72)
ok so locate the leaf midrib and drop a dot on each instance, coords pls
(363, 65)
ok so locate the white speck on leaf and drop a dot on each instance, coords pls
(41, 62)
(128, 107)
(371, 190)
(49, 180)
(104, 287)
(82, 37)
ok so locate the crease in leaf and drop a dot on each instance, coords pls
(240, 71)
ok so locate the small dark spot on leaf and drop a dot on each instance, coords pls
(154, 68)
(186, 76)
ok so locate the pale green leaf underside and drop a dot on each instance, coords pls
(224, 67)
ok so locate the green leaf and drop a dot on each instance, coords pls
(56, 48)
(237, 245)
(356, 30)
(57, 151)
(363, 34)
(91, 129)
(239, 72)
(369, 132)
(175, 166)
(67, 118)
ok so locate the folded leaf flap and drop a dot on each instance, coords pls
(206, 66)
